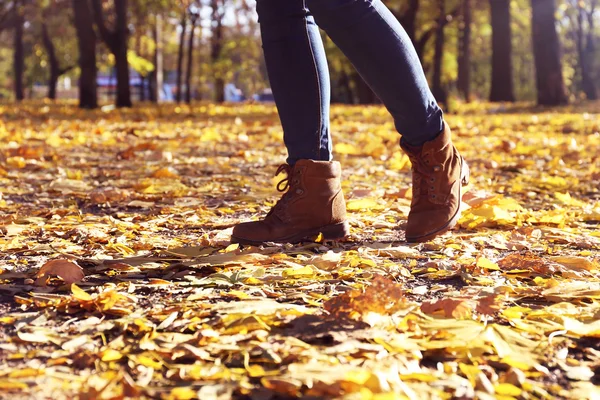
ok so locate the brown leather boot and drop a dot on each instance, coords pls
(313, 203)
(438, 174)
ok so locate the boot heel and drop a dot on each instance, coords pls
(337, 231)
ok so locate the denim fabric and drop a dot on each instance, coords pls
(376, 44)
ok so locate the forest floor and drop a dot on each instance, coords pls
(117, 278)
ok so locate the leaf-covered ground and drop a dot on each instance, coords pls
(143, 200)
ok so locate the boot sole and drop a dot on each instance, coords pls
(330, 232)
(464, 180)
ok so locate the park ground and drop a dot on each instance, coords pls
(117, 278)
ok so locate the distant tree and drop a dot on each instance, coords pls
(546, 49)
(216, 47)
(502, 66)
(86, 43)
(444, 18)
(156, 80)
(6, 12)
(194, 12)
(180, 53)
(55, 69)
(438, 90)
(585, 42)
(116, 40)
(464, 50)
(19, 53)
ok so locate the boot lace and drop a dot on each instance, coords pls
(423, 176)
(283, 186)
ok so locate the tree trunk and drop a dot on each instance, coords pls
(364, 94)
(437, 89)
(18, 54)
(409, 19)
(190, 61)
(121, 37)
(156, 82)
(180, 56)
(116, 41)
(344, 88)
(464, 52)
(546, 51)
(216, 47)
(585, 56)
(591, 45)
(52, 60)
(86, 43)
(502, 65)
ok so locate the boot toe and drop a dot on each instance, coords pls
(250, 232)
(424, 226)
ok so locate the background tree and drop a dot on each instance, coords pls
(464, 50)
(117, 42)
(19, 53)
(183, 25)
(194, 15)
(56, 70)
(217, 38)
(86, 43)
(502, 65)
(546, 49)
(157, 78)
(585, 41)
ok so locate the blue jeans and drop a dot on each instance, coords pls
(376, 44)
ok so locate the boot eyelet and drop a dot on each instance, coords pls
(432, 180)
(437, 168)
(299, 191)
(432, 188)
(433, 196)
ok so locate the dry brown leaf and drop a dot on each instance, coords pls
(448, 307)
(67, 270)
(384, 296)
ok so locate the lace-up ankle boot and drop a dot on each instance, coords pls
(438, 174)
(312, 203)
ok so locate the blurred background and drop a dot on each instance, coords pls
(122, 51)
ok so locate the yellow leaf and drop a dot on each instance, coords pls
(484, 263)
(362, 204)
(515, 312)
(238, 294)
(303, 272)
(345, 148)
(255, 371)
(575, 263)
(110, 355)
(420, 377)
(26, 373)
(232, 247)
(182, 393)
(148, 362)
(6, 385)
(80, 294)
(507, 389)
(469, 371)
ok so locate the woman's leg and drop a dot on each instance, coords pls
(377, 45)
(313, 202)
(299, 77)
(375, 42)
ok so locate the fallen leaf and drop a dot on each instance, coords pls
(67, 270)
